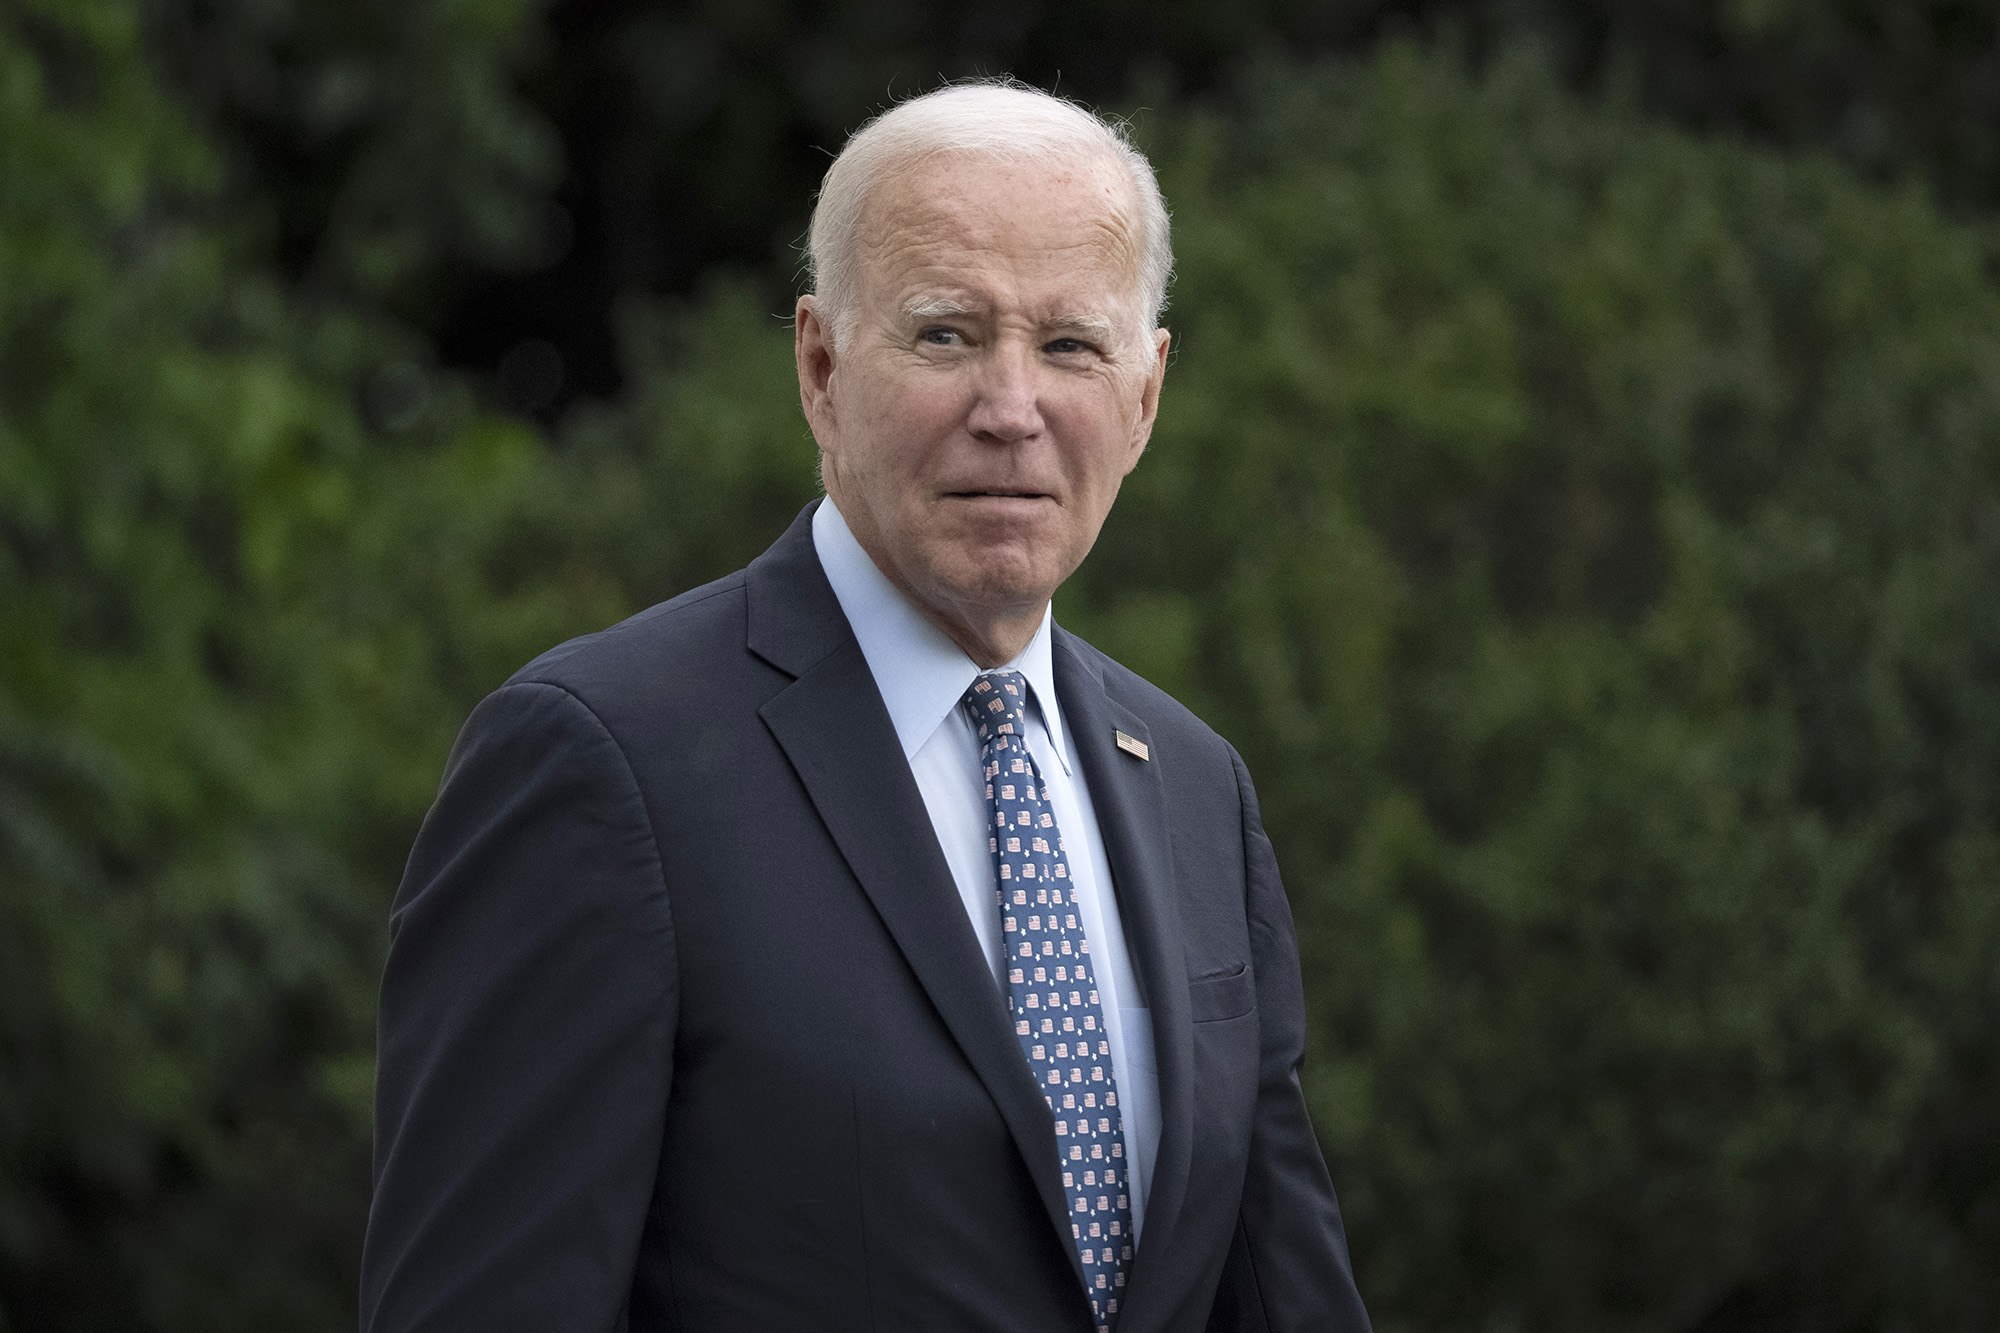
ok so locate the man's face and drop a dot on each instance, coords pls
(996, 384)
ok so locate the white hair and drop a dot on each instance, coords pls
(994, 118)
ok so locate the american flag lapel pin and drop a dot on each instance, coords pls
(1132, 745)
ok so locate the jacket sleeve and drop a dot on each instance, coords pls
(526, 1040)
(1288, 1266)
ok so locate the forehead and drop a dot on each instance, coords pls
(1001, 231)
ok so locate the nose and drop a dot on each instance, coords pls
(1008, 406)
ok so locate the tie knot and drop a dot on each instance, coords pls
(998, 703)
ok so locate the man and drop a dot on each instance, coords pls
(842, 945)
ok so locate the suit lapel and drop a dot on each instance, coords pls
(1132, 816)
(832, 725)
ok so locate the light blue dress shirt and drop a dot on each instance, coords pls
(922, 675)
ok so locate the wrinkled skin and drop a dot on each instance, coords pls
(997, 383)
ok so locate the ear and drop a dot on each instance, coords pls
(1149, 398)
(812, 348)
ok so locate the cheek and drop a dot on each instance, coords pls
(906, 423)
(1100, 435)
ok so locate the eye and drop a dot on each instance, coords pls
(940, 337)
(1066, 347)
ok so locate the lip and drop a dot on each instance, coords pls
(998, 496)
(1007, 508)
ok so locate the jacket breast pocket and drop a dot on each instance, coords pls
(1226, 995)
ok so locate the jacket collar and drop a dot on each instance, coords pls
(831, 722)
(921, 673)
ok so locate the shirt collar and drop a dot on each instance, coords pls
(920, 672)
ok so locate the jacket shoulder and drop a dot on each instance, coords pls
(1165, 716)
(686, 638)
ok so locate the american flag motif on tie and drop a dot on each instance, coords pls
(1052, 983)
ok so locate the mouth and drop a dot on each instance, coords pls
(998, 494)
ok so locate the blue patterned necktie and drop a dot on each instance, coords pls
(1052, 982)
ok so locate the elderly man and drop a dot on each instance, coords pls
(842, 945)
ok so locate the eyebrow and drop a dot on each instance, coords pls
(1094, 326)
(936, 307)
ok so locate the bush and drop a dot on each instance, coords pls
(1590, 536)
(1587, 533)
(238, 629)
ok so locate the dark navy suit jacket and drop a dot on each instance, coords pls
(684, 1025)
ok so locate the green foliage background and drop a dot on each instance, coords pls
(1588, 532)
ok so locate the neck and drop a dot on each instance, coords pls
(991, 641)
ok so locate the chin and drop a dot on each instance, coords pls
(999, 577)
